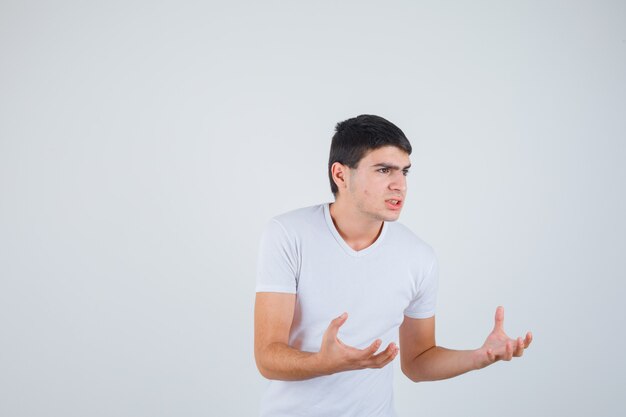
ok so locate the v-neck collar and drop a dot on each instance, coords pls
(343, 244)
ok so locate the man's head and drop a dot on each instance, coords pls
(369, 158)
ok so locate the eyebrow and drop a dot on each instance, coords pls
(390, 166)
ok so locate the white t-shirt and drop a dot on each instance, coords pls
(302, 253)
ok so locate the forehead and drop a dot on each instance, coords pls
(386, 154)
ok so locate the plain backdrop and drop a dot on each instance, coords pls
(145, 144)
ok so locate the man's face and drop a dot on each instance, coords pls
(377, 188)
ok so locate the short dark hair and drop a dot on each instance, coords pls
(355, 137)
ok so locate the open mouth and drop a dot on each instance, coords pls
(393, 204)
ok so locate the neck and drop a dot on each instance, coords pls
(358, 230)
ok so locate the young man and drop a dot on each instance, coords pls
(338, 281)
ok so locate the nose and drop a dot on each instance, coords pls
(398, 182)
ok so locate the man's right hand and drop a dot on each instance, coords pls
(273, 317)
(336, 356)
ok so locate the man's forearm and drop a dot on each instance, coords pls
(440, 363)
(282, 362)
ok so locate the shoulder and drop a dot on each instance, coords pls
(299, 219)
(287, 231)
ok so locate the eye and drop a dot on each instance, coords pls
(383, 170)
(405, 173)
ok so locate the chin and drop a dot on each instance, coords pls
(391, 217)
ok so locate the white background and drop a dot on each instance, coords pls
(144, 145)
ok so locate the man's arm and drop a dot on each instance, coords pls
(423, 360)
(273, 315)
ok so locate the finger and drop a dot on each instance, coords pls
(499, 319)
(371, 349)
(508, 353)
(528, 339)
(335, 324)
(519, 347)
(357, 355)
(384, 357)
(390, 351)
(368, 359)
(363, 358)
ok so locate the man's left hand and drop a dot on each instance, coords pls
(499, 346)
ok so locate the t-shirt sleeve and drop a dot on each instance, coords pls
(277, 266)
(424, 304)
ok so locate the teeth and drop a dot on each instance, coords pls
(394, 201)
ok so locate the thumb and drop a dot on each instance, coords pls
(335, 324)
(499, 319)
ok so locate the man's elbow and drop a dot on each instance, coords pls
(411, 373)
(262, 370)
(265, 373)
(261, 359)
(258, 358)
(414, 369)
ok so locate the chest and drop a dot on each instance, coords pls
(374, 290)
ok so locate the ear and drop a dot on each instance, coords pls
(340, 175)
